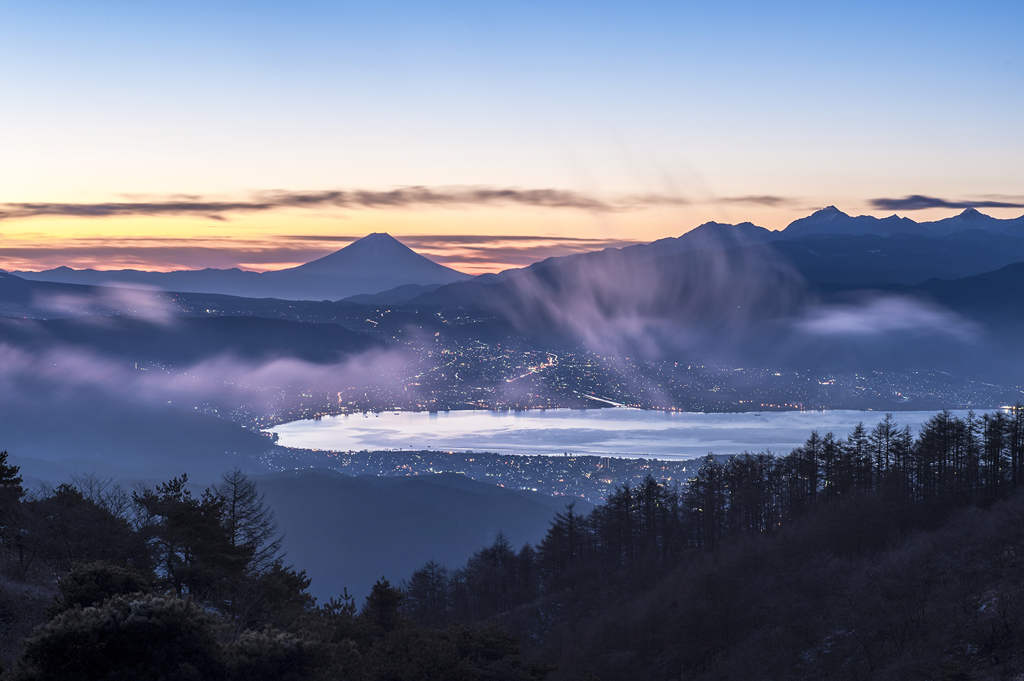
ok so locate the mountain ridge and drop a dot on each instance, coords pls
(379, 269)
(823, 223)
(343, 530)
(374, 263)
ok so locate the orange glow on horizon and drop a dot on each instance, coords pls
(474, 240)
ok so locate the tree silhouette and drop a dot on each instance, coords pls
(250, 524)
(194, 550)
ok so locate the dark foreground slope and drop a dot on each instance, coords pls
(877, 555)
(162, 584)
(348, 531)
(847, 593)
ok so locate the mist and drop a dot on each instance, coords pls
(878, 314)
(112, 299)
(679, 303)
(224, 380)
(66, 409)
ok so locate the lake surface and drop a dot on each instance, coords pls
(602, 432)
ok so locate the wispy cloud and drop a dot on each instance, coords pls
(400, 197)
(158, 254)
(886, 314)
(275, 252)
(465, 250)
(102, 303)
(919, 202)
(759, 200)
(225, 380)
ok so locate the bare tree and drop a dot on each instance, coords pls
(249, 522)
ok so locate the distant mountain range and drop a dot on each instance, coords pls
(831, 220)
(100, 379)
(990, 243)
(375, 263)
(829, 289)
(828, 246)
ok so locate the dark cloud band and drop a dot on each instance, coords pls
(266, 201)
(918, 202)
(759, 200)
(402, 197)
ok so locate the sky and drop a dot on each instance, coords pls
(183, 135)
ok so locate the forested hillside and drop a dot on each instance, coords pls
(874, 555)
(159, 583)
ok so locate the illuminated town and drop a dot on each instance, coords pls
(587, 477)
(476, 375)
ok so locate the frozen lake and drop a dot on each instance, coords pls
(602, 432)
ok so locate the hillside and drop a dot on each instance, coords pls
(188, 340)
(348, 531)
(845, 594)
(92, 432)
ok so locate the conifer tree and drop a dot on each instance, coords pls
(10, 477)
(249, 522)
(193, 549)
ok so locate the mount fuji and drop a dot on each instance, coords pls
(374, 263)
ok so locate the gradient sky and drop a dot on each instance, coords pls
(613, 121)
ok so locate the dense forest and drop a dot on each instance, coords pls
(850, 557)
(874, 555)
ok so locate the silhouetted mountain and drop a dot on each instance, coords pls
(183, 341)
(734, 293)
(832, 302)
(377, 262)
(827, 247)
(709, 236)
(901, 258)
(692, 299)
(399, 294)
(348, 531)
(378, 255)
(831, 220)
(995, 299)
(209, 280)
(827, 222)
(20, 297)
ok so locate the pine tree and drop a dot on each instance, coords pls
(9, 474)
(882, 442)
(426, 595)
(382, 608)
(193, 549)
(11, 518)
